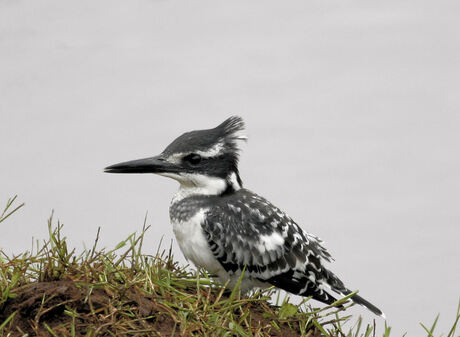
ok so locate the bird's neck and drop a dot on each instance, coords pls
(198, 184)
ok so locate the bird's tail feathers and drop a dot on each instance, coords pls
(361, 301)
(337, 286)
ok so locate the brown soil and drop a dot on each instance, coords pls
(43, 303)
(50, 304)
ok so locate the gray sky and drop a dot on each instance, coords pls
(351, 108)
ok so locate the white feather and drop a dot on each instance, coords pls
(270, 242)
(193, 244)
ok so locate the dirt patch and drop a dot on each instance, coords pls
(66, 307)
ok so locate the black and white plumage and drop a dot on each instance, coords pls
(224, 228)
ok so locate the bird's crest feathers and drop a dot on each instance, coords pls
(233, 128)
(223, 138)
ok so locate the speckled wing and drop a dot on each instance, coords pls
(244, 229)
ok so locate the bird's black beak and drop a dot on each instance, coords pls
(155, 164)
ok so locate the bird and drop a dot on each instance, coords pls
(232, 232)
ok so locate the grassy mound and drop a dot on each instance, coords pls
(53, 291)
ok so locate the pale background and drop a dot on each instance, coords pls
(351, 108)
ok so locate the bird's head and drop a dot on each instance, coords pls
(207, 159)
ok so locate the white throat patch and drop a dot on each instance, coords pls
(201, 184)
(193, 183)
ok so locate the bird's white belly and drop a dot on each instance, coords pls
(193, 244)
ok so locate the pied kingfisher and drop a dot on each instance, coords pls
(222, 227)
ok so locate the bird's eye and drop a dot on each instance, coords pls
(193, 159)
